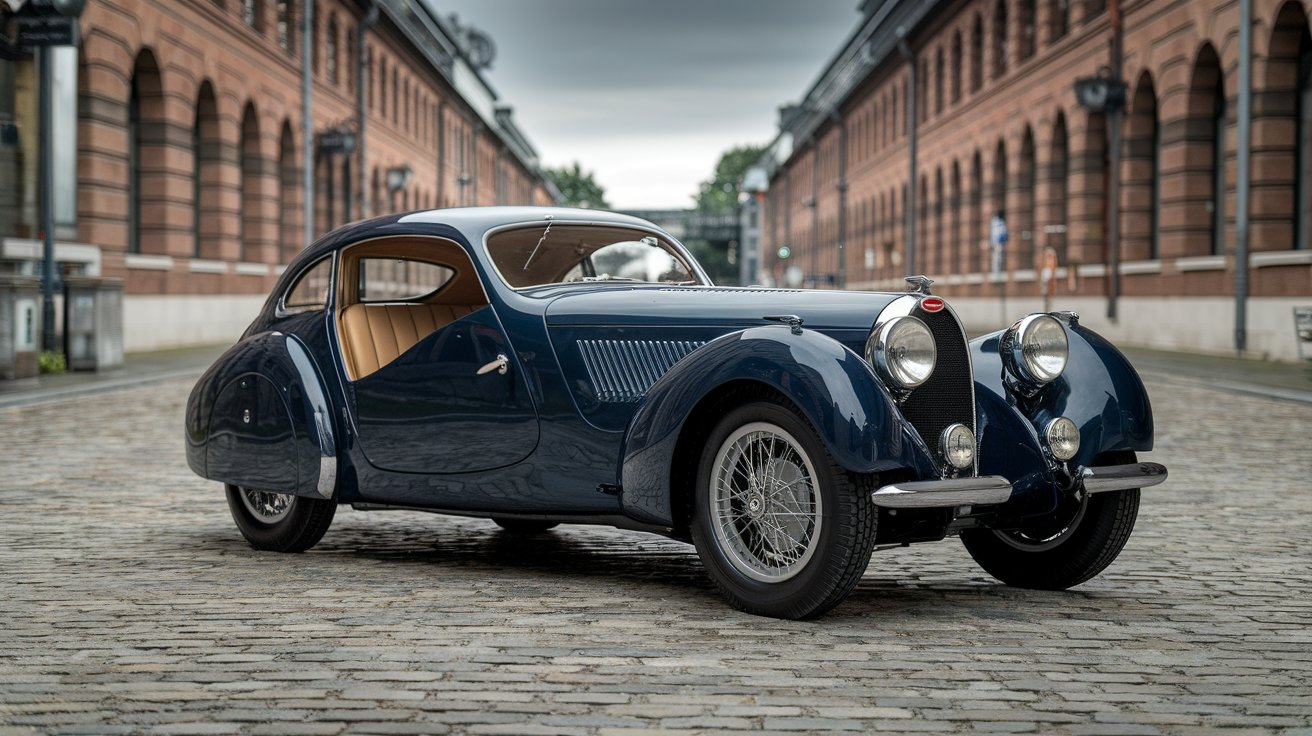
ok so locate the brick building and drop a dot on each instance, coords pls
(181, 136)
(994, 123)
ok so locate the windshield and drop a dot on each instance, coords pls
(557, 254)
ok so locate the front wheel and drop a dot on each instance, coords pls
(1060, 551)
(782, 529)
(279, 522)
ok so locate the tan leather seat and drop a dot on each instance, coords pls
(377, 334)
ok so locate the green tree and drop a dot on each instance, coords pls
(720, 192)
(577, 187)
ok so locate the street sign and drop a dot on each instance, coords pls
(35, 31)
(337, 142)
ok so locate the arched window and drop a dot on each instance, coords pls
(1207, 114)
(1000, 45)
(936, 252)
(330, 51)
(286, 27)
(251, 12)
(349, 60)
(939, 73)
(977, 221)
(1058, 171)
(953, 247)
(955, 63)
(147, 183)
(206, 176)
(288, 236)
(1022, 230)
(396, 96)
(1143, 157)
(1027, 40)
(382, 85)
(1059, 19)
(977, 54)
(998, 200)
(251, 171)
(347, 203)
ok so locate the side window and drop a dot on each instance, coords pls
(399, 279)
(310, 292)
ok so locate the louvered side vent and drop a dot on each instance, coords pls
(949, 394)
(623, 370)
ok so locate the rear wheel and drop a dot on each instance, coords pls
(525, 526)
(279, 522)
(782, 529)
(1078, 541)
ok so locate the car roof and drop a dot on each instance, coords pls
(469, 219)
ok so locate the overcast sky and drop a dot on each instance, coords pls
(646, 94)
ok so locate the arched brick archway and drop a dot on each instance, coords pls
(1282, 122)
(147, 185)
(1021, 223)
(1204, 130)
(952, 243)
(256, 240)
(1054, 218)
(1141, 175)
(207, 178)
(289, 193)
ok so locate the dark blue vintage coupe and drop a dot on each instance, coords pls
(537, 366)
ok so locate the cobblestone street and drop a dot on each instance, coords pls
(131, 604)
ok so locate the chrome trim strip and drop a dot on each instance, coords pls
(1121, 477)
(930, 494)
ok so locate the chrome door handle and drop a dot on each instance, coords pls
(500, 365)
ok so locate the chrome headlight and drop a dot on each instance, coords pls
(1063, 438)
(1035, 349)
(902, 351)
(957, 444)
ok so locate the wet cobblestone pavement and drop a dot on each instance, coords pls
(130, 604)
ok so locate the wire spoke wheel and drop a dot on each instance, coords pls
(267, 507)
(765, 505)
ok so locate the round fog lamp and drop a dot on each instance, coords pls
(958, 446)
(1063, 438)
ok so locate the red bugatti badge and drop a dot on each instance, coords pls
(932, 304)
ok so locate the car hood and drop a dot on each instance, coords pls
(707, 306)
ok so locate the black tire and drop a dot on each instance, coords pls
(300, 529)
(1079, 541)
(525, 526)
(841, 548)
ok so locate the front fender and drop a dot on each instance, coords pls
(833, 387)
(260, 417)
(1099, 390)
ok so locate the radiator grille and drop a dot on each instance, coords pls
(948, 396)
(623, 370)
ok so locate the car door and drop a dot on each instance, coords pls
(456, 401)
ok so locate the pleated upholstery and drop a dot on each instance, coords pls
(377, 334)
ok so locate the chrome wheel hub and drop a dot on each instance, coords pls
(267, 506)
(765, 504)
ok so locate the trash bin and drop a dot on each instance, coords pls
(20, 326)
(93, 323)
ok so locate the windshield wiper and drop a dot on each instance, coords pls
(541, 240)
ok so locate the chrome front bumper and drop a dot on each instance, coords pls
(1120, 477)
(994, 489)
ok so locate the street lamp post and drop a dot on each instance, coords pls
(1105, 93)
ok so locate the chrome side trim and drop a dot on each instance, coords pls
(930, 494)
(327, 475)
(1121, 477)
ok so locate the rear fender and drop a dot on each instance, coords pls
(833, 387)
(259, 417)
